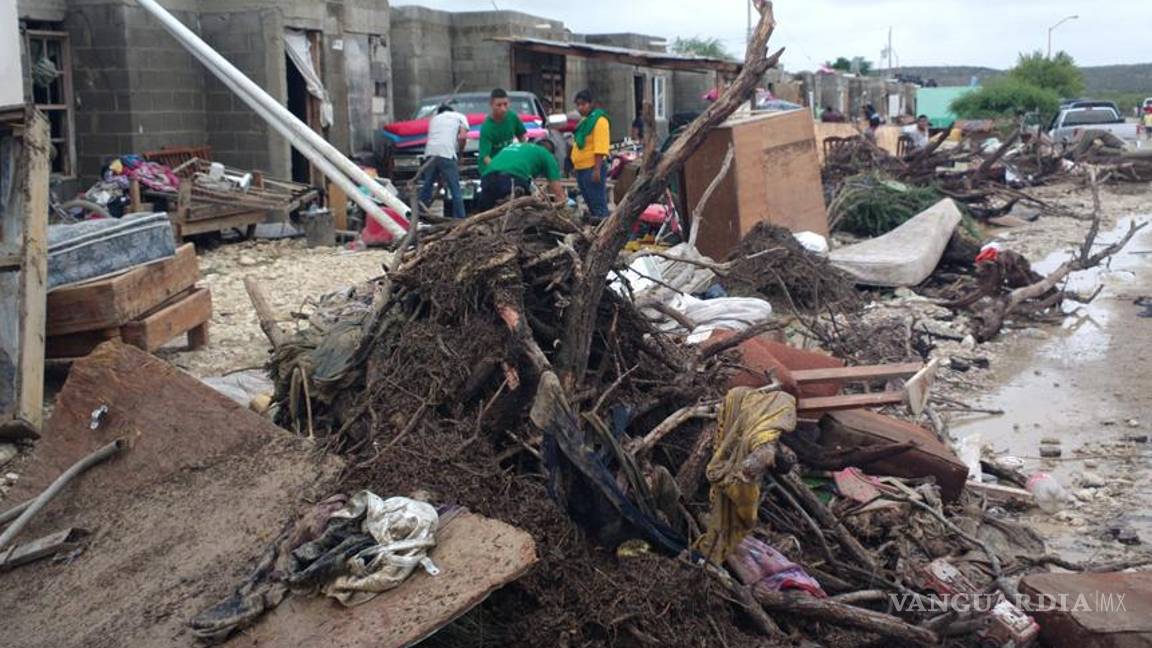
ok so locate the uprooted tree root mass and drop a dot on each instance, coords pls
(444, 412)
(770, 262)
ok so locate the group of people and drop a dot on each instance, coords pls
(508, 160)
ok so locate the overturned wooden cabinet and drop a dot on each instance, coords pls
(24, 168)
(775, 177)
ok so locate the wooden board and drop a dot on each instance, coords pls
(858, 429)
(849, 402)
(1109, 610)
(24, 246)
(775, 177)
(174, 319)
(180, 516)
(857, 374)
(113, 302)
(234, 220)
(338, 204)
(476, 555)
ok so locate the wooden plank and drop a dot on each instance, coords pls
(192, 450)
(113, 302)
(23, 234)
(203, 226)
(475, 555)
(17, 555)
(175, 319)
(857, 374)
(338, 203)
(134, 195)
(850, 402)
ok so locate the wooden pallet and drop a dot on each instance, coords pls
(114, 301)
(189, 313)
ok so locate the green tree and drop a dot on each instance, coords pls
(845, 65)
(1059, 73)
(700, 46)
(1004, 97)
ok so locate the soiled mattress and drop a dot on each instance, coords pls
(91, 249)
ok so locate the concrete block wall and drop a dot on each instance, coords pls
(421, 56)
(252, 41)
(136, 89)
(102, 84)
(50, 10)
(688, 89)
(166, 107)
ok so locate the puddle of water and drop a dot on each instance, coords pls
(1053, 389)
(1067, 386)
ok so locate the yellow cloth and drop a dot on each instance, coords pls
(598, 143)
(748, 420)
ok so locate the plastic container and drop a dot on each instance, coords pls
(1050, 495)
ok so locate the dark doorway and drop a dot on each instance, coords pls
(298, 105)
(542, 74)
(638, 95)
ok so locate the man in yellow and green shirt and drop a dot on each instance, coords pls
(590, 155)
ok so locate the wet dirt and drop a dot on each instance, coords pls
(1084, 385)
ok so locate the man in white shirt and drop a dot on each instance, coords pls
(919, 133)
(447, 133)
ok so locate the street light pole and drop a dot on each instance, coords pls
(1053, 28)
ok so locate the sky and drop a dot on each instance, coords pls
(984, 33)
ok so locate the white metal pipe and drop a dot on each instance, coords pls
(280, 118)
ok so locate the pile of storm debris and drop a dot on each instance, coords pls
(683, 484)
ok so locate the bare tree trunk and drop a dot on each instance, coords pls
(612, 234)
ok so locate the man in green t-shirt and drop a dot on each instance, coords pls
(500, 129)
(516, 166)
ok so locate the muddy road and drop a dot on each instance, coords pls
(1087, 385)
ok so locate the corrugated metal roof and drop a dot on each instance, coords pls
(623, 55)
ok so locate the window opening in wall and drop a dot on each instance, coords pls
(659, 99)
(50, 68)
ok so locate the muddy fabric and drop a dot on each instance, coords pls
(266, 587)
(761, 567)
(748, 420)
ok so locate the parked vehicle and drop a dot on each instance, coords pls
(1079, 116)
(403, 150)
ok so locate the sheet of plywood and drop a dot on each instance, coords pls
(177, 518)
(23, 241)
(775, 177)
(778, 173)
(475, 555)
(112, 302)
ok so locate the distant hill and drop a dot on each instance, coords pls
(1119, 78)
(948, 75)
(1097, 80)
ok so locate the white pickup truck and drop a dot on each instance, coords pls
(1080, 116)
